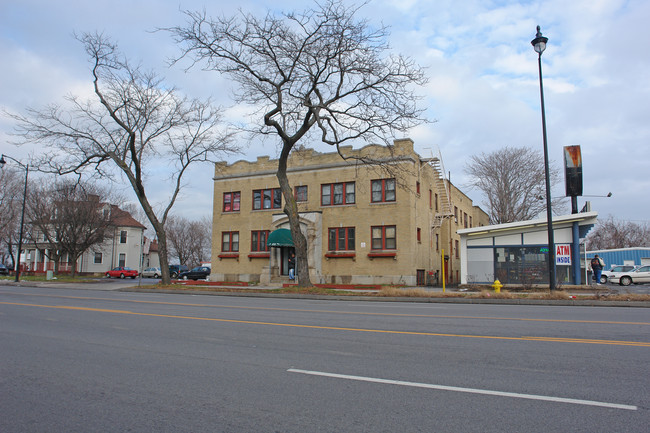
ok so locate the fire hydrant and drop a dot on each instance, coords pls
(497, 286)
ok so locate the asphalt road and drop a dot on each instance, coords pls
(83, 360)
(640, 289)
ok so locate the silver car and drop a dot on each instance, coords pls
(151, 273)
(615, 269)
(636, 276)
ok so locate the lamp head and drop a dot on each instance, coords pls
(539, 43)
(2, 161)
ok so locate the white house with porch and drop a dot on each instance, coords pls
(125, 247)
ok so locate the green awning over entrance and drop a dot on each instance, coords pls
(280, 238)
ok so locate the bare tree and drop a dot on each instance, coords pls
(134, 120)
(189, 240)
(321, 73)
(513, 181)
(67, 218)
(11, 197)
(204, 227)
(611, 233)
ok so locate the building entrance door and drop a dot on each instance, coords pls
(420, 280)
(285, 253)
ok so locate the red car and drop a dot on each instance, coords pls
(122, 272)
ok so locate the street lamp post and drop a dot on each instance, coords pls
(609, 194)
(539, 44)
(22, 214)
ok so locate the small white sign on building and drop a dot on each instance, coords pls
(563, 254)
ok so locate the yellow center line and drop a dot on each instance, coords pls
(336, 328)
(360, 313)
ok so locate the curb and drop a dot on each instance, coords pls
(412, 299)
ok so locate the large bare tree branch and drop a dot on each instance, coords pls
(134, 120)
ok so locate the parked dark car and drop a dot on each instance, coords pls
(175, 270)
(4, 270)
(198, 273)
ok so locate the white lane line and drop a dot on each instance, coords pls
(469, 390)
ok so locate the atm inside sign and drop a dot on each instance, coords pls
(563, 254)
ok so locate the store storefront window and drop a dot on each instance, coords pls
(521, 265)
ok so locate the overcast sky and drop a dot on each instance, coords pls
(483, 91)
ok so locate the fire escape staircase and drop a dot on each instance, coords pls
(444, 210)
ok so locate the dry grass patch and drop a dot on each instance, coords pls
(316, 291)
(58, 278)
(391, 291)
(404, 292)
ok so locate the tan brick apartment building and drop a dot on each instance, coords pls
(363, 224)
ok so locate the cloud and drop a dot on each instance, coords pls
(483, 89)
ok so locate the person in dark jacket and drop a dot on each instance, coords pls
(597, 265)
(292, 266)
